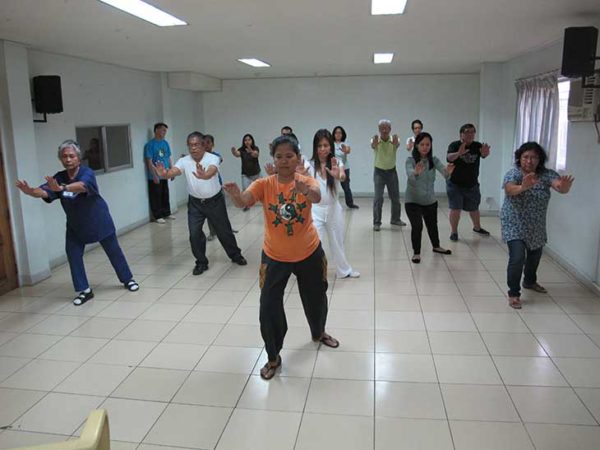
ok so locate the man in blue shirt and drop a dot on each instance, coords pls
(156, 151)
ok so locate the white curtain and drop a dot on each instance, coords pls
(537, 112)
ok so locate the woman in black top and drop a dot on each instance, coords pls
(248, 152)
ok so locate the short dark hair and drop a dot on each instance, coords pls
(339, 127)
(541, 153)
(195, 134)
(467, 126)
(415, 152)
(210, 137)
(160, 124)
(412, 124)
(285, 139)
(286, 127)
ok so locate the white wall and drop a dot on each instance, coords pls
(96, 94)
(261, 107)
(573, 219)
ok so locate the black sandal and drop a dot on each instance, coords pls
(268, 371)
(82, 298)
(327, 340)
(442, 252)
(132, 286)
(416, 259)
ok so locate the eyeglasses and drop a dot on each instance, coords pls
(530, 157)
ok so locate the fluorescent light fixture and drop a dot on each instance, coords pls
(146, 12)
(383, 7)
(254, 62)
(383, 58)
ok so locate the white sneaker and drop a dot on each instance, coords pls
(171, 217)
(352, 274)
(161, 220)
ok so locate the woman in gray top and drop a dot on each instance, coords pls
(421, 204)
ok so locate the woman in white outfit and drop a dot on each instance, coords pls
(327, 215)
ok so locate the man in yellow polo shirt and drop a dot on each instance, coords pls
(385, 174)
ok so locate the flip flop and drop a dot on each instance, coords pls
(329, 341)
(268, 370)
(514, 302)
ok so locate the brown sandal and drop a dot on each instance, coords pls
(327, 340)
(514, 302)
(268, 370)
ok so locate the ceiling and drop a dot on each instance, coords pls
(298, 38)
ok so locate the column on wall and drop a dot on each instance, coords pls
(19, 153)
(491, 120)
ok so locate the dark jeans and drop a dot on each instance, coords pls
(211, 229)
(159, 199)
(383, 178)
(417, 214)
(521, 261)
(110, 244)
(311, 274)
(346, 187)
(215, 211)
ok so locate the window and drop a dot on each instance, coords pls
(563, 124)
(105, 148)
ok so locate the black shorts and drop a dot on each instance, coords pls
(467, 199)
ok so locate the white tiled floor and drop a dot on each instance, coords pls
(431, 356)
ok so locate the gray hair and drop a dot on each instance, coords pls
(385, 122)
(69, 143)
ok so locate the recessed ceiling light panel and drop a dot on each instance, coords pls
(254, 62)
(382, 58)
(146, 12)
(383, 7)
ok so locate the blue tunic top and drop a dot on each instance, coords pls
(88, 218)
(523, 216)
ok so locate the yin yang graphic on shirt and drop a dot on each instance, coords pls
(288, 212)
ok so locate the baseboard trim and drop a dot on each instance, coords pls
(31, 279)
(579, 276)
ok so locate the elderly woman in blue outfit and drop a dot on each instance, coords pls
(523, 216)
(88, 218)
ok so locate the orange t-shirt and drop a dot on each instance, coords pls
(290, 235)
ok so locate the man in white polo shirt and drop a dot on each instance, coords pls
(206, 201)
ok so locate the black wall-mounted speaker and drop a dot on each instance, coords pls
(579, 51)
(47, 94)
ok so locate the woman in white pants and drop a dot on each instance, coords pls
(327, 215)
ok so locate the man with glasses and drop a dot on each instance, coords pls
(206, 201)
(463, 185)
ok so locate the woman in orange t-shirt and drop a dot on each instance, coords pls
(291, 245)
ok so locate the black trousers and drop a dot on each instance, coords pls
(159, 199)
(311, 274)
(347, 191)
(417, 214)
(215, 211)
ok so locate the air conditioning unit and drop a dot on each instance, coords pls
(584, 102)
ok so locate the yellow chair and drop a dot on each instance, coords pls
(95, 436)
